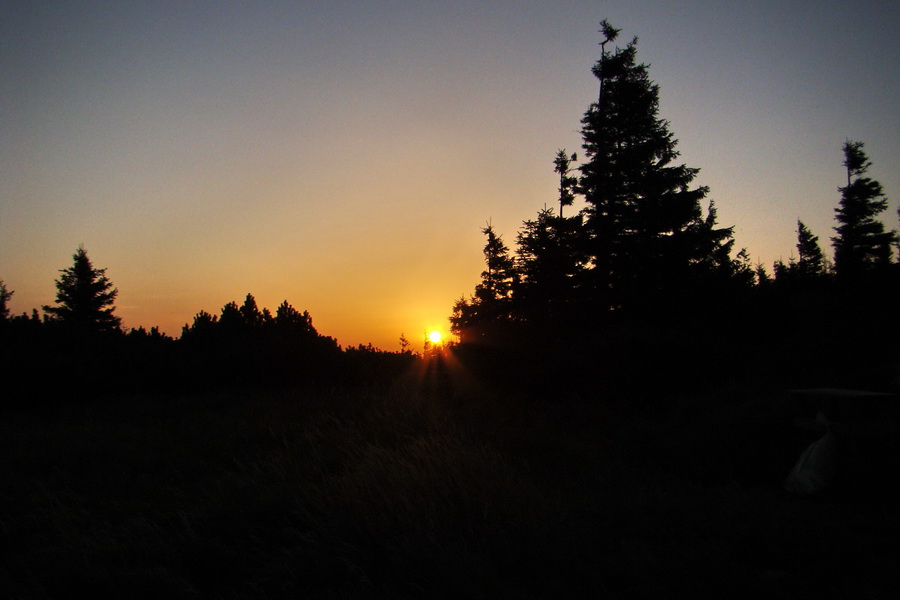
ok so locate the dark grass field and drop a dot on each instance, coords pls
(414, 492)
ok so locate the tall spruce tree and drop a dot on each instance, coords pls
(644, 222)
(477, 319)
(861, 245)
(85, 297)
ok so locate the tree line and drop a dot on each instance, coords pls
(78, 347)
(640, 285)
(643, 281)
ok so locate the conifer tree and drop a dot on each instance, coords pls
(861, 244)
(5, 295)
(231, 319)
(250, 313)
(497, 278)
(203, 327)
(567, 182)
(404, 344)
(763, 279)
(474, 319)
(84, 297)
(811, 264)
(549, 255)
(549, 263)
(708, 249)
(644, 221)
(784, 273)
(293, 323)
(610, 34)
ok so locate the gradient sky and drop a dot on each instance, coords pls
(344, 155)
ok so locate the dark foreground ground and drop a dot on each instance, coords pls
(412, 493)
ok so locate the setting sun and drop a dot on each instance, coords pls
(435, 337)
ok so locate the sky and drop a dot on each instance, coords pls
(345, 156)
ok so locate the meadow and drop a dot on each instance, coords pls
(431, 489)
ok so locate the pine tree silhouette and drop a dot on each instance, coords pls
(84, 297)
(644, 223)
(811, 264)
(861, 245)
(476, 319)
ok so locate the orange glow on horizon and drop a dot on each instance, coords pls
(281, 162)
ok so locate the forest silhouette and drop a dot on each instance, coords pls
(640, 285)
(617, 396)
